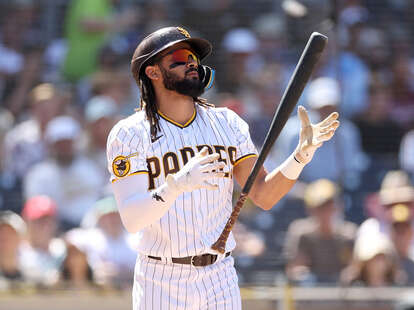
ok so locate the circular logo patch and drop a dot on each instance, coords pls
(121, 166)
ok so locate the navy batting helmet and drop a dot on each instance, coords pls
(162, 39)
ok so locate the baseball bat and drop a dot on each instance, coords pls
(293, 91)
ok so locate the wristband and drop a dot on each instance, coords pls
(291, 167)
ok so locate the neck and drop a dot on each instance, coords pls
(325, 230)
(179, 108)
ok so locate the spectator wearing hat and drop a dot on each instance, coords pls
(42, 252)
(319, 247)
(402, 238)
(12, 230)
(240, 46)
(374, 264)
(67, 176)
(396, 188)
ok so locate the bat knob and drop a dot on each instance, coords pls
(219, 246)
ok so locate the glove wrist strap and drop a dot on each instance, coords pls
(291, 167)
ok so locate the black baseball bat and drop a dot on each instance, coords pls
(293, 91)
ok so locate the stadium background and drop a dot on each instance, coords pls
(256, 45)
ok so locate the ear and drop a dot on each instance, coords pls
(152, 72)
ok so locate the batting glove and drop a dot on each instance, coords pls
(196, 173)
(312, 136)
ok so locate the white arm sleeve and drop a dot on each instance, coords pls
(139, 208)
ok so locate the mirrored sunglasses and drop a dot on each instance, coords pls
(181, 57)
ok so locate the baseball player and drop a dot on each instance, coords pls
(172, 165)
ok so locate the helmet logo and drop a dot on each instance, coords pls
(184, 32)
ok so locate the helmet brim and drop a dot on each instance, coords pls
(200, 46)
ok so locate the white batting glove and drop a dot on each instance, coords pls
(196, 173)
(312, 136)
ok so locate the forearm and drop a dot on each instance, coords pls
(270, 188)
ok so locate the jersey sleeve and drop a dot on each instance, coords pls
(125, 152)
(244, 144)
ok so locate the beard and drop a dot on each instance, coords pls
(187, 86)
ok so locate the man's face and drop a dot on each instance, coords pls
(64, 151)
(179, 69)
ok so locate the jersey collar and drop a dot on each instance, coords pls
(188, 123)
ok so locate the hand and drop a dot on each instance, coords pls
(196, 172)
(312, 136)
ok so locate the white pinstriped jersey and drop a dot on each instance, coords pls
(196, 219)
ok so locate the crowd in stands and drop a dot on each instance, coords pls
(65, 81)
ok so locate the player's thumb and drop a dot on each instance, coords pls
(208, 185)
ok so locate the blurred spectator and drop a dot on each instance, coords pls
(88, 25)
(116, 85)
(381, 135)
(372, 45)
(319, 247)
(76, 272)
(375, 263)
(395, 189)
(43, 252)
(112, 255)
(12, 230)
(351, 72)
(100, 115)
(108, 248)
(70, 178)
(20, 55)
(406, 153)
(240, 46)
(402, 238)
(402, 88)
(25, 143)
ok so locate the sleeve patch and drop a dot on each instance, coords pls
(121, 166)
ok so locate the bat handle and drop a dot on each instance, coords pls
(220, 244)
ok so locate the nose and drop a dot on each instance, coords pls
(191, 62)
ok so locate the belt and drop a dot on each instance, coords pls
(197, 261)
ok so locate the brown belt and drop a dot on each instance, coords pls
(198, 261)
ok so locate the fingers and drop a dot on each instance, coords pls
(303, 116)
(209, 158)
(325, 137)
(203, 152)
(305, 125)
(213, 166)
(327, 121)
(208, 185)
(332, 126)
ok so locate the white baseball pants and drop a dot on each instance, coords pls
(164, 285)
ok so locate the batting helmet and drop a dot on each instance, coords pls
(162, 39)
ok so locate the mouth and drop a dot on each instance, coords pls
(192, 73)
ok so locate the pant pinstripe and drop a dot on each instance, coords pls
(160, 285)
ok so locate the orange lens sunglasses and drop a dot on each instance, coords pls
(181, 57)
